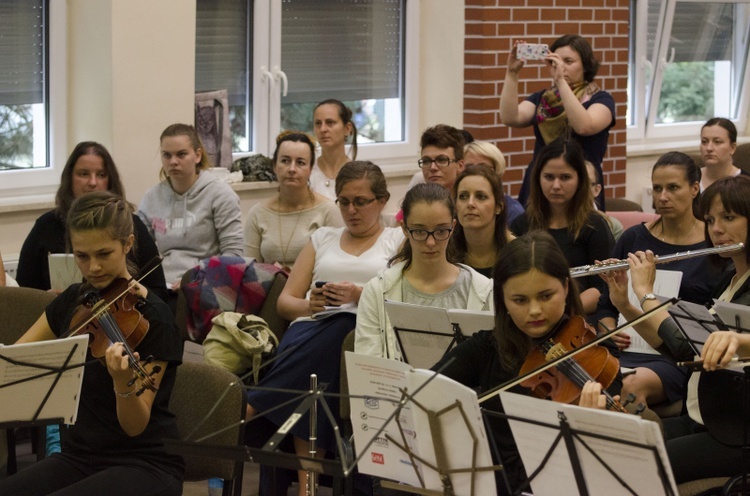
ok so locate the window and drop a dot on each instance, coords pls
(277, 60)
(690, 66)
(32, 95)
(23, 84)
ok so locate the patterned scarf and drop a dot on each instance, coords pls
(550, 114)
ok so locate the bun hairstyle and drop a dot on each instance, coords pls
(728, 125)
(295, 137)
(345, 114)
(689, 168)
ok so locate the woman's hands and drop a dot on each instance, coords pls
(333, 294)
(118, 367)
(514, 63)
(556, 68)
(592, 397)
(721, 347)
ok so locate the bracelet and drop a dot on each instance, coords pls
(125, 395)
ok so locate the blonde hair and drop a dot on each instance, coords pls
(489, 151)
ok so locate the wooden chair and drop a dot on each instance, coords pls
(20, 308)
(206, 400)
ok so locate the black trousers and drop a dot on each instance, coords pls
(70, 475)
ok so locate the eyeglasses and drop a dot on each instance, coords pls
(358, 202)
(441, 161)
(439, 234)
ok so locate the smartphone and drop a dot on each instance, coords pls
(320, 284)
(532, 51)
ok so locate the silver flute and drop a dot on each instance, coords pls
(588, 270)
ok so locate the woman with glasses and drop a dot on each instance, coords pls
(276, 230)
(422, 273)
(562, 203)
(574, 107)
(329, 272)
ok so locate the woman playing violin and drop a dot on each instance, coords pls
(115, 445)
(693, 450)
(534, 300)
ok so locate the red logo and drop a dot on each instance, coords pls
(378, 458)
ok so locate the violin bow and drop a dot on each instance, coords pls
(600, 338)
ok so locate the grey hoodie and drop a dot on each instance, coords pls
(203, 222)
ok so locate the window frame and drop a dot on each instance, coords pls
(42, 182)
(644, 131)
(267, 85)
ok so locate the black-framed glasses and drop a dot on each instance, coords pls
(358, 202)
(439, 234)
(441, 161)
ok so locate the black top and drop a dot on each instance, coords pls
(595, 242)
(594, 146)
(698, 275)
(475, 363)
(48, 236)
(97, 432)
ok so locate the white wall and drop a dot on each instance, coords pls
(131, 73)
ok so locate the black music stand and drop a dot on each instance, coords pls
(40, 385)
(732, 385)
(425, 334)
(601, 452)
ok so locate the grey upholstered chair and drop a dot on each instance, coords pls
(210, 401)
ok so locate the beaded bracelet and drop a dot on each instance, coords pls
(125, 395)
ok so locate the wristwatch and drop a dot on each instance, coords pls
(647, 296)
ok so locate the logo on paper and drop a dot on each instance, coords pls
(378, 458)
(381, 441)
(372, 403)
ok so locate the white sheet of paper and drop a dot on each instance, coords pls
(21, 401)
(667, 284)
(730, 313)
(636, 466)
(380, 379)
(63, 271)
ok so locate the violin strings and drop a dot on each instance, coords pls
(578, 373)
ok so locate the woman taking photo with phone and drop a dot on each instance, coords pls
(573, 107)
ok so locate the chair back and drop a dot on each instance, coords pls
(20, 308)
(630, 219)
(207, 399)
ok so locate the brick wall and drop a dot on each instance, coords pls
(491, 27)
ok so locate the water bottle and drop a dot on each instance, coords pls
(215, 486)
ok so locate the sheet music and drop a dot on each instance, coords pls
(21, 401)
(732, 313)
(636, 466)
(379, 378)
(63, 271)
(426, 333)
(667, 284)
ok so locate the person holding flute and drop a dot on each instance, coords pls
(675, 181)
(693, 450)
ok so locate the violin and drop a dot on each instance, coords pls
(110, 316)
(564, 381)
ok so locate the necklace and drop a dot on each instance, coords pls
(322, 161)
(481, 263)
(285, 247)
(682, 238)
